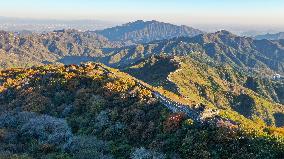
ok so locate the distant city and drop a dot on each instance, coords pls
(45, 25)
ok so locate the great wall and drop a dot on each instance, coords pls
(199, 114)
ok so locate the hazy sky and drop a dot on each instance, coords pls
(247, 12)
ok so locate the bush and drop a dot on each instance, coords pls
(142, 153)
(89, 147)
(96, 104)
(14, 120)
(91, 154)
(115, 130)
(37, 103)
(7, 120)
(67, 110)
(102, 120)
(7, 136)
(86, 101)
(48, 130)
(14, 156)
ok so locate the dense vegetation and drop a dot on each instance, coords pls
(92, 111)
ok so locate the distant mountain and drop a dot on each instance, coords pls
(268, 36)
(146, 31)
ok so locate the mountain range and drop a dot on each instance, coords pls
(222, 46)
(71, 46)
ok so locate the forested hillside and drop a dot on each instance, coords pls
(98, 112)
